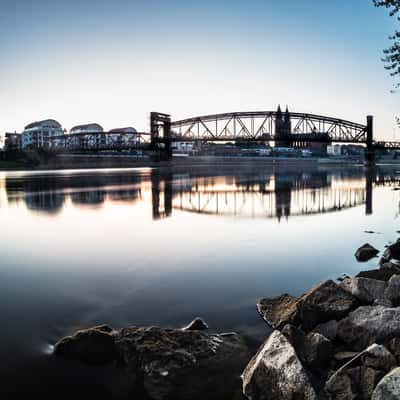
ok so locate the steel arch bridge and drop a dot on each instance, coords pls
(261, 126)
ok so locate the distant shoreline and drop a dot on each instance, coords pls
(85, 161)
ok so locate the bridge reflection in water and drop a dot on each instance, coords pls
(276, 194)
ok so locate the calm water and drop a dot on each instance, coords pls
(141, 246)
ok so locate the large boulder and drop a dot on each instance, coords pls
(198, 324)
(327, 329)
(278, 311)
(389, 387)
(368, 290)
(92, 346)
(324, 302)
(276, 373)
(165, 363)
(368, 324)
(365, 252)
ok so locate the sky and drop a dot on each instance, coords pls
(113, 62)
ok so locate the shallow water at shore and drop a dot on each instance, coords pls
(144, 246)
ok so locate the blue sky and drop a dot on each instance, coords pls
(113, 62)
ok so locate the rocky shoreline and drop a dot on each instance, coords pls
(338, 341)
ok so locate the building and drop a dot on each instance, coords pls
(124, 136)
(86, 128)
(12, 141)
(86, 135)
(334, 150)
(283, 128)
(182, 147)
(39, 134)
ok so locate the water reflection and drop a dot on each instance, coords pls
(278, 193)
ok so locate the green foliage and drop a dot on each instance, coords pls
(392, 54)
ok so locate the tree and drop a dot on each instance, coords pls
(392, 54)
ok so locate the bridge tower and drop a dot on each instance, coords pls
(160, 131)
(369, 150)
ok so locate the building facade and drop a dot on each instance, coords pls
(40, 134)
(12, 141)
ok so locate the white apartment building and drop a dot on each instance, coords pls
(39, 134)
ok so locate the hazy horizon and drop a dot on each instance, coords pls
(114, 62)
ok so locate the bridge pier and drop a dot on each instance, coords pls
(370, 150)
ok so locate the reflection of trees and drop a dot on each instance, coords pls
(47, 193)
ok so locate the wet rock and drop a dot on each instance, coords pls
(278, 311)
(326, 301)
(365, 252)
(368, 324)
(367, 290)
(392, 291)
(382, 274)
(389, 387)
(182, 364)
(198, 324)
(392, 251)
(327, 329)
(92, 346)
(276, 373)
(164, 363)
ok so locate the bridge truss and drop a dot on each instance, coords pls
(260, 126)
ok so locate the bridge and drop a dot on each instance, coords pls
(289, 129)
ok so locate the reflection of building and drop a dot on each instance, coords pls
(39, 134)
(12, 142)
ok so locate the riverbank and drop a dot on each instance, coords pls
(90, 161)
(339, 340)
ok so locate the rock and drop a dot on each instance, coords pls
(369, 378)
(392, 251)
(322, 303)
(365, 252)
(276, 373)
(278, 311)
(183, 364)
(164, 363)
(345, 355)
(361, 371)
(93, 346)
(327, 329)
(313, 349)
(198, 324)
(326, 301)
(392, 291)
(367, 290)
(368, 324)
(383, 302)
(383, 274)
(389, 387)
(384, 264)
(378, 357)
(340, 388)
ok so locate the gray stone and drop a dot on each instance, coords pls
(378, 357)
(367, 290)
(392, 291)
(368, 324)
(365, 252)
(383, 302)
(198, 324)
(327, 329)
(276, 373)
(389, 387)
(340, 388)
(369, 378)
